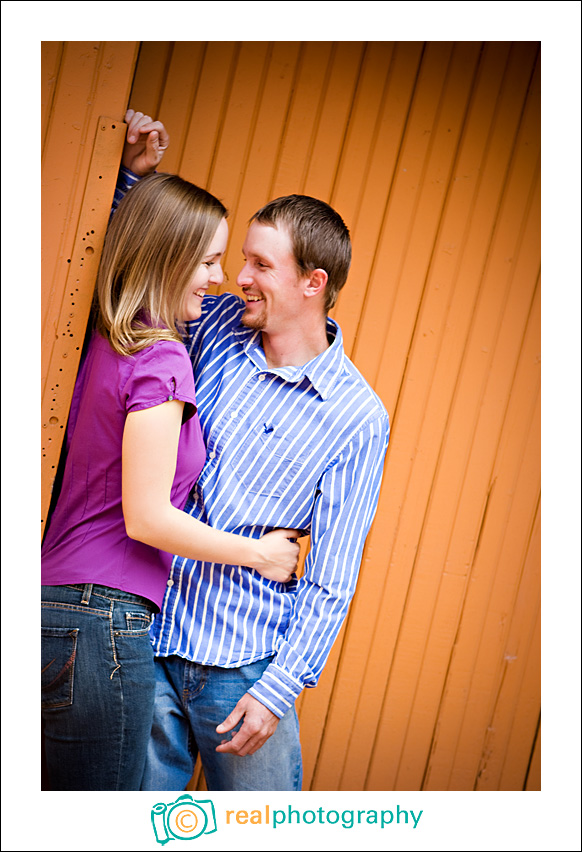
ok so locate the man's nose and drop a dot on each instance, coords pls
(243, 278)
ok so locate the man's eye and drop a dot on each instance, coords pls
(208, 263)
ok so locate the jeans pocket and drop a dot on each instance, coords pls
(137, 622)
(59, 649)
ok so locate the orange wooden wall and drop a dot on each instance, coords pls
(431, 153)
(84, 92)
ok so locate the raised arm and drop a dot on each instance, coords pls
(146, 143)
(150, 449)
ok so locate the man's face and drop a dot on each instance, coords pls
(270, 281)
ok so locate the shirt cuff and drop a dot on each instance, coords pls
(127, 178)
(276, 690)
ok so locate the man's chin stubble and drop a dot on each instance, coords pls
(255, 322)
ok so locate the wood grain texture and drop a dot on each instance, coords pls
(85, 87)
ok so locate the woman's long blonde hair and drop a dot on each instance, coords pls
(155, 243)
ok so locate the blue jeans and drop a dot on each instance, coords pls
(98, 686)
(191, 700)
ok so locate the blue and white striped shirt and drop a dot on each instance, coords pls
(295, 447)
(126, 180)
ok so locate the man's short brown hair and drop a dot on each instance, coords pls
(319, 237)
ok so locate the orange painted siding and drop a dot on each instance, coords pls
(431, 153)
(84, 91)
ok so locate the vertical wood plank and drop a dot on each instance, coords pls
(149, 80)
(363, 196)
(81, 154)
(302, 120)
(180, 85)
(515, 720)
(337, 102)
(204, 123)
(240, 112)
(51, 55)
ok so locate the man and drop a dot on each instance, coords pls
(295, 438)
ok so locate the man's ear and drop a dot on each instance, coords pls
(315, 283)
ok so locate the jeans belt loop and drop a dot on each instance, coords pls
(87, 593)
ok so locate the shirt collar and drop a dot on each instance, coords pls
(322, 371)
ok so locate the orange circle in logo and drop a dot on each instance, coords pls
(181, 821)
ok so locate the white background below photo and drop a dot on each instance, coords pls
(447, 821)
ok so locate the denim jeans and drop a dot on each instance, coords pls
(98, 686)
(191, 700)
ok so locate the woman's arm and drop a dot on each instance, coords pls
(150, 450)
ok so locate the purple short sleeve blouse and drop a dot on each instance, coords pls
(86, 541)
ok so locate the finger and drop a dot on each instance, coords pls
(254, 744)
(144, 121)
(131, 116)
(233, 746)
(242, 743)
(137, 125)
(292, 535)
(231, 721)
(162, 134)
(248, 742)
(141, 124)
(152, 143)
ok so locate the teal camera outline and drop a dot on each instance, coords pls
(161, 813)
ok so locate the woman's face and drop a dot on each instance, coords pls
(209, 272)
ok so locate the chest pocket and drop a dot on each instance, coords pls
(271, 466)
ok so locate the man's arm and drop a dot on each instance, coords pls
(145, 145)
(343, 513)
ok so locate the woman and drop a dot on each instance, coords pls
(134, 451)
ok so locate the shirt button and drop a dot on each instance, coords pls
(170, 398)
(232, 415)
(170, 582)
(262, 377)
(211, 454)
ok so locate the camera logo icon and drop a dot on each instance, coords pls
(183, 819)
